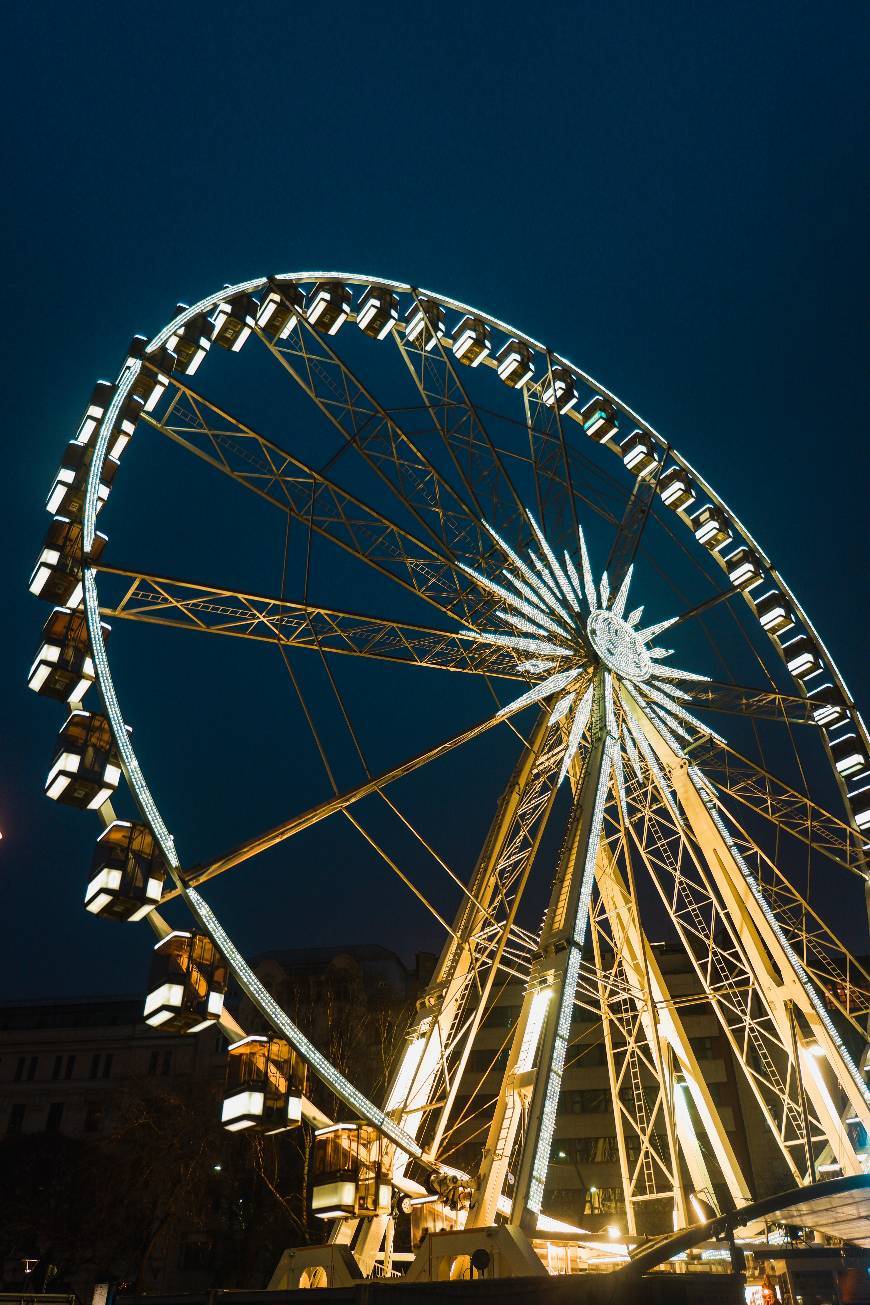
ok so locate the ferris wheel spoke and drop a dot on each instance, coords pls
(707, 605)
(459, 423)
(627, 539)
(762, 704)
(773, 964)
(184, 604)
(551, 467)
(322, 506)
(679, 873)
(373, 433)
(790, 811)
(338, 802)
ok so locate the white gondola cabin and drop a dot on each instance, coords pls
(349, 1178)
(265, 1084)
(281, 309)
(514, 364)
(471, 342)
(127, 872)
(329, 306)
(424, 323)
(802, 657)
(67, 496)
(639, 453)
(57, 576)
(599, 419)
(191, 341)
(63, 668)
(233, 320)
(187, 983)
(558, 390)
(773, 612)
(744, 568)
(676, 489)
(711, 528)
(378, 311)
(86, 768)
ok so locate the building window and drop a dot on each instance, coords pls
(107, 1064)
(93, 1117)
(55, 1115)
(56, 1068)
(483, 1060)
(19, 1069)
(95, 1065)
(16, 1118)
(70, 1066)
(152, 1061)
(604, 1200)
(586, 1150)
(704, 1048)
(167, 1063)
(31, 1068)
(592, 1053)
(502, 1017)
(586, 1101)
(565, 1199)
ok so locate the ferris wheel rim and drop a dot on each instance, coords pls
(200, 910)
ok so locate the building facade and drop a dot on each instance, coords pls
(64, 1065)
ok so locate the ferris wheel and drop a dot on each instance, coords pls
(460, 505)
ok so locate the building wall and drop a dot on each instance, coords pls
(62, 1061)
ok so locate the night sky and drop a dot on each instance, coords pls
(674, 196)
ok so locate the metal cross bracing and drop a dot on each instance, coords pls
(491, 907)
(675, 1073)
(640, 1086)
(754, 978)
(842, 979)
(724, 969)
(790, 811)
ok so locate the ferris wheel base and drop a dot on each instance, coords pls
(496, 1252)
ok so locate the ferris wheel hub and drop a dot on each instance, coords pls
(618, 646)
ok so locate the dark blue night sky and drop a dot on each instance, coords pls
(674, 196)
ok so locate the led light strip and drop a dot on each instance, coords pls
(541, 1162)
